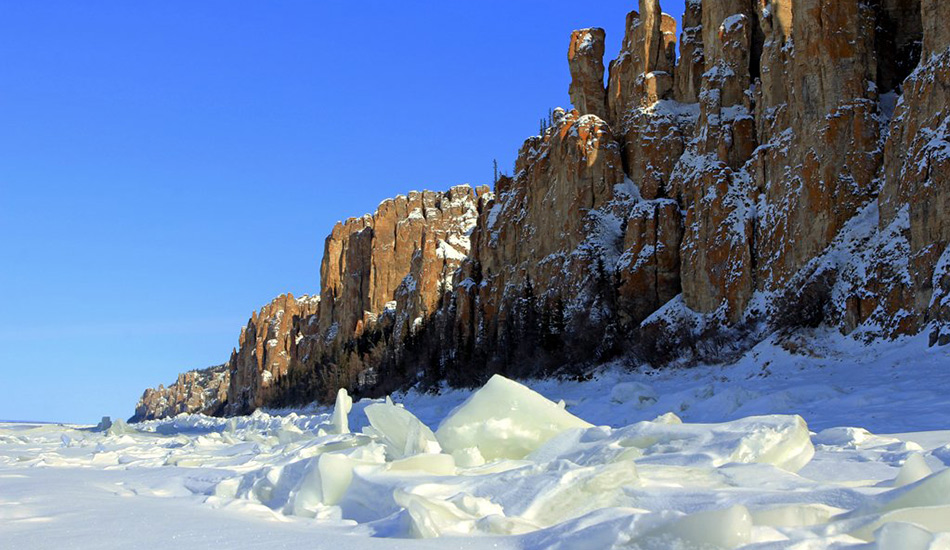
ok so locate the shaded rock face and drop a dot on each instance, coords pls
(201, 391)
(265, 350)
(820, 130)
(897, 36)
(541, 237)
(916, 195)
(709, 180)
(649, 270)
(586, 60)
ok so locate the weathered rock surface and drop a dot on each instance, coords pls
(586, 60)
(709, 181)
(643, 72)
(431, 272)
(265, 351)
(916, 193)
(198, 391)
(820, 131)
(543, 225)
(367, 259)
(649, 270)
(692, 61)
(652, 137)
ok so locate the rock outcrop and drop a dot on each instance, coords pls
(643, 72)
(202, 391)
(789, 169)
(382, 275)
(586, 60)
(651, 134)
(367, 259)
(692, 61)
(649, 270)
(266, 348)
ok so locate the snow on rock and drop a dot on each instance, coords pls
(504, 419)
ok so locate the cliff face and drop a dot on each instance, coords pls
(915, 199)
(548, 238)
(367, 259)
(199, 391)
(790, 167)
(265, 351)
(382, 275)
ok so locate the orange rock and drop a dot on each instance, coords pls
(585, 57)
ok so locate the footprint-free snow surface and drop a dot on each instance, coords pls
(844, 447)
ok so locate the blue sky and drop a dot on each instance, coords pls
(168, 167)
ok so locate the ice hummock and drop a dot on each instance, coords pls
(402, 433)
(510, 461)
(339, 420)
(727, 467)
(504, 420)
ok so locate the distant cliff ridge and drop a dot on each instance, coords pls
(791, 169)
(198, 391)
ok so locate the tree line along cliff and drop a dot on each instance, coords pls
(789, 169)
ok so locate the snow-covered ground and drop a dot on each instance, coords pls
(844, 446)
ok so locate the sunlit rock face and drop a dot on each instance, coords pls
(199, 391)
(265, 351)
(366, 259)
(382, 277)
(643, 72)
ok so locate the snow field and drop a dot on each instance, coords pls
(709, 457)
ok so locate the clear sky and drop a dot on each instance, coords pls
(166, 167)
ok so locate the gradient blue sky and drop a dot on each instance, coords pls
(166, 167)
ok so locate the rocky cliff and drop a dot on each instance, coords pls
(199, 391)
(788, 170)
(266, 348)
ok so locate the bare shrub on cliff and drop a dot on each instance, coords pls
(804, 305)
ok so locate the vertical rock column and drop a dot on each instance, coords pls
(265, 351)
(692, 62)
(819, 123)
(642, 75)
(586, 60)
(718, 265)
